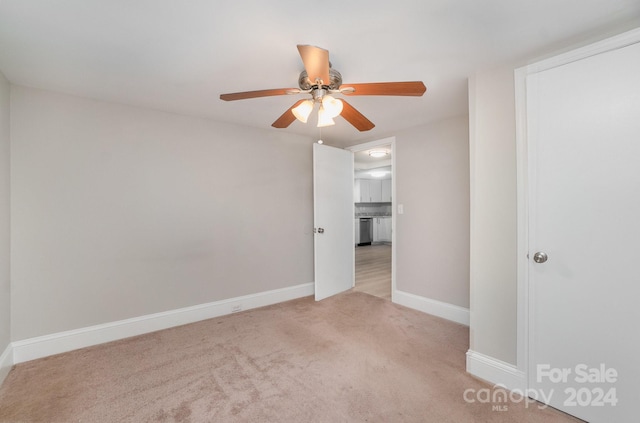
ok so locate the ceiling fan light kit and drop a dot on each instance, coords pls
(303, 111)
(320, 80)
(324, 118)
(332, 106)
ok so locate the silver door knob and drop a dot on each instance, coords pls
(540, 257)
(320, 230)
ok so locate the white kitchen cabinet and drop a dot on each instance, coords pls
(362, 191)
(385, 229)
(375, 190)
(372, 191)
(376, 235)
(382, 229)
(386, 191)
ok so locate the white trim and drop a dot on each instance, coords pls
(608, 44)
(525, 298)
(394, 208)
(437, 308)
(6, 362)
(471, 87)
(495, 371)
(522, 226)
(371, 144)
(43, 346)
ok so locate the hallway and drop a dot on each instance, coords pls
(373, 270)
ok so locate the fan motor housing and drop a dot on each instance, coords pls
(335, 80)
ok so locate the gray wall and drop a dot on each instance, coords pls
(119, 212)
(432, 236)
(5, 283)
(493, 214)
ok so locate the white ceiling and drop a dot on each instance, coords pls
(367, 167)
(180, 56)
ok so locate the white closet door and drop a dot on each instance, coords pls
(584, 214)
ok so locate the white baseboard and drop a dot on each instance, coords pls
(495, 371)
(43, 346)
(437, 308)
(6, 361)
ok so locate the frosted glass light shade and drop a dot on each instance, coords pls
(303, 110)
(332, 106)
(324, 119)
(378, 153)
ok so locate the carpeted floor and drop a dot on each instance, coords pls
(349, 358)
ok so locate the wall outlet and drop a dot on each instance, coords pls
(236, 308)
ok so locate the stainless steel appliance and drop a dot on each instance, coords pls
(366, 231)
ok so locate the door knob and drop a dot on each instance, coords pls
(320, 230)
(540, 257)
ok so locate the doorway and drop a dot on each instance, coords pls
(374, 190)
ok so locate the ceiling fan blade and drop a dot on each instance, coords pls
(260, 93)
(316, 63)
(355, 118)
(411, 88)
(287, 117)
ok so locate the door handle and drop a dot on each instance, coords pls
(320, 230)
(540, 257)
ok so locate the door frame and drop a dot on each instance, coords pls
(367, 146)
(525, 330)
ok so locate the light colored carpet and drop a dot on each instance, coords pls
(349, 358)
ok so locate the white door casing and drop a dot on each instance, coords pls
(333, 216)
(583, 210)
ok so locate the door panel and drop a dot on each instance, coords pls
(583, 122)
(334, 215)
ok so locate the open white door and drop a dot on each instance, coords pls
(333, 220)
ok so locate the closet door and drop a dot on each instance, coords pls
(583, 121)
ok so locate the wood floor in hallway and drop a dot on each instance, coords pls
(373, 270)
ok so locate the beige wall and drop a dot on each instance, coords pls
(493, 214)
(120, 212)
(5, 283)
(432, 236)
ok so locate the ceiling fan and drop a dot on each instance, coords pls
(320, 80)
